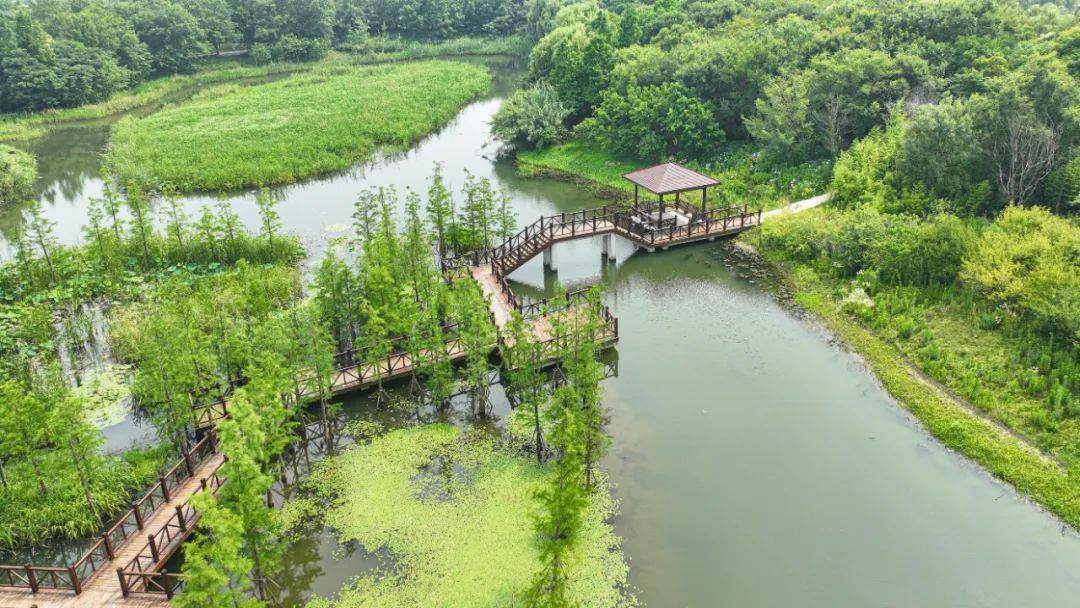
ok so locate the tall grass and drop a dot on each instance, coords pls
(319, 122)
(29, 516)
(388, 48)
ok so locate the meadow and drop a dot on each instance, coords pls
(319, 122)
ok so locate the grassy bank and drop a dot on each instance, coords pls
(455, 512)
(151, 92)
(969, 401)
(18, 172)
(743, 178)
(321, 121)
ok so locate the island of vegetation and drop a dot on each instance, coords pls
(310, 124)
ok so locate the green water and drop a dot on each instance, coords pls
(758, 464)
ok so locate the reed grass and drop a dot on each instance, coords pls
(319, 122)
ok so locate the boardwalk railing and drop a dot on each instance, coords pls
(74, 576)
(630, 222)
(352, 369)
(142, 574)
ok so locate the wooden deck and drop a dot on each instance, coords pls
(102, 589)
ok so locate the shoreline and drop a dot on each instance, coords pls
(962, 428)
(959, 426)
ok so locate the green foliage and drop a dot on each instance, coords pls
(193, 337)
(53, 481)
(745, 178)
(1014, 279)
(1029, 261)
(18, 175)
(121, 255)
(322, 121)
(576, 58)
(976, 108)
(418, 493)
(531, 118)
(653, 123)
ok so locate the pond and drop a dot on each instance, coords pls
(758, 464)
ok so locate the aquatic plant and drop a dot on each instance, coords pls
(447, 504)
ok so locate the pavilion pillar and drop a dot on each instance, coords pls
(635, 196)
(703, 200)
(549, 258)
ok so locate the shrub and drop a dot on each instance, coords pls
(290, 48)
(532, 117)
(18, 171)
(1029, 260)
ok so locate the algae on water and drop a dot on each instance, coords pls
(455, 511)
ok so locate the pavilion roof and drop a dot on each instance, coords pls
(668, 178)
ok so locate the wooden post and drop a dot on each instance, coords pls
(76, 584)
(188, 462)
(703, 200)
(166, 585)
(180, 518)
(108, 545)
(138, 516)
(153, 548)
(635, 196)
(123, 582)
(164, 488)
(31, 578)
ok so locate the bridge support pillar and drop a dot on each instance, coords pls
(606, 249)
(549, 258)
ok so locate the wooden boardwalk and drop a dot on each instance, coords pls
(102, 589)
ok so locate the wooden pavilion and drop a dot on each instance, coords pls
(666, 179)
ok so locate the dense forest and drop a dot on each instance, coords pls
(958, 106)
(57, 53)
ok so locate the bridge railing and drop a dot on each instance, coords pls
(36, 578)
(161, 543)
(74, 576)
(158, 583)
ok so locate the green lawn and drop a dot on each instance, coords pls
(321, 121)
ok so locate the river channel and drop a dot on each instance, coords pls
(758, 464)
